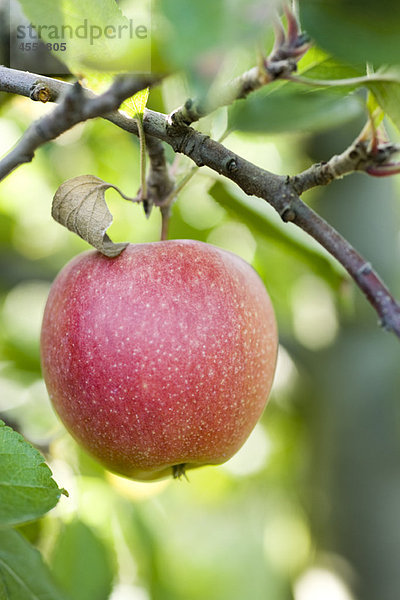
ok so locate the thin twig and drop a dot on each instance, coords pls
(239, 88)
(142, 146)
(361, 271)
(159, 181)
(349, 81)
(167, 203)
(359, 156)
(23, 83)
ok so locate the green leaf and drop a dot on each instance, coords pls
(387, 93)
(86, 579)
(319, 65)
(27, 490)
(257, 215)
(135, 105)
(384, 83)
(292, 107)
(3, 591)
(287, 106)
(23, 574)
(359, 31)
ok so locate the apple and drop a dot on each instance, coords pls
(161, 359)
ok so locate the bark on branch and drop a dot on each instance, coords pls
(76, 105)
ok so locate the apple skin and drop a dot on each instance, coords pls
(161, 359)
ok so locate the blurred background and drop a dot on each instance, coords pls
(309, 508)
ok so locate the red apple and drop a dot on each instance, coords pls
(161, 359)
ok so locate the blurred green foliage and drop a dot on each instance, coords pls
(82, 579)
(23, 575)
(368, 30)
(309, 505)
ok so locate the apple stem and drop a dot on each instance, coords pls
(160, 184)
(165, 216)
(166, 204)
(143, 184)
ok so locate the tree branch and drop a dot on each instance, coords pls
(75, 106)
(361, 271)
(24, 83)
(280, 192)
(159, 182)
(360, 156)
(195, 109)
(289, 47)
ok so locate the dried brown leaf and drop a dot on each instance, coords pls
(79, 204)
